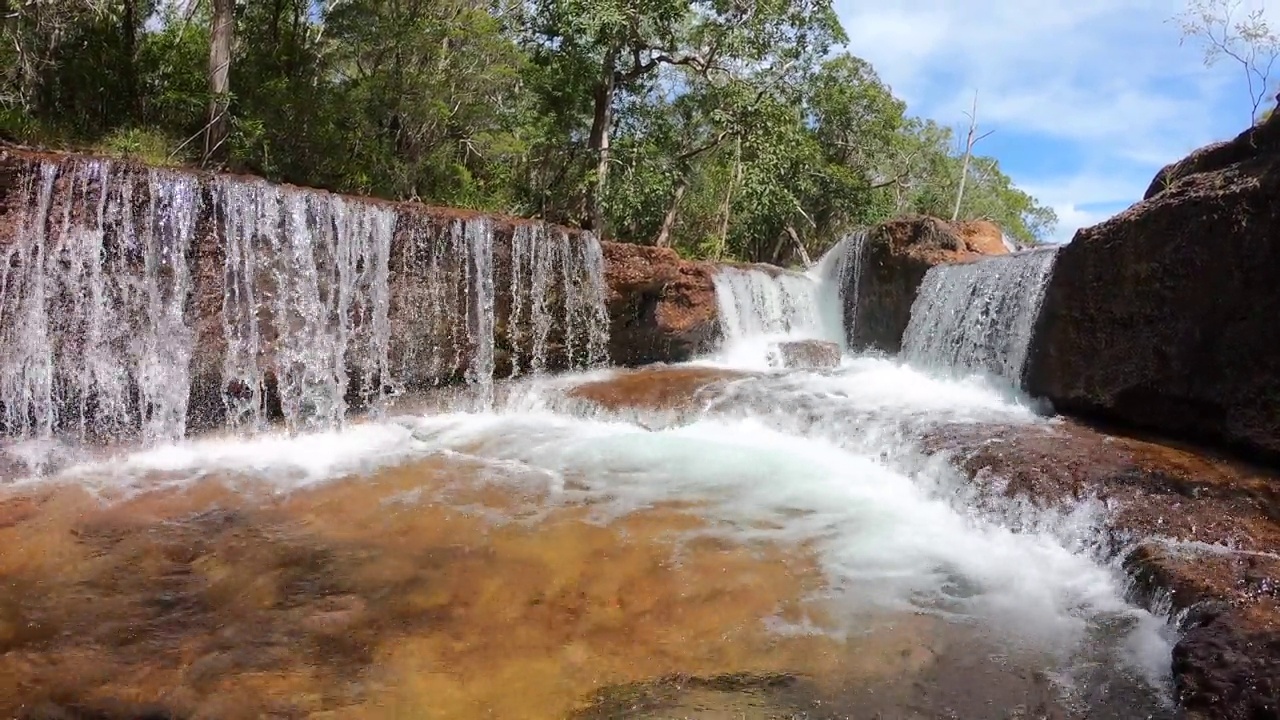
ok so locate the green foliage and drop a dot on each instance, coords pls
(722, 129)
(148, 146)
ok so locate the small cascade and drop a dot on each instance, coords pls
(979, 316)
(305, 298)
(94, 337)
(840, 274)
(760, 308)
(760, 303)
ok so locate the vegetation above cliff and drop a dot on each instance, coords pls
(722, 128)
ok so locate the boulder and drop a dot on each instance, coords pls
(661, 308)
(805, 355)
(892, 262)
(1165, 316)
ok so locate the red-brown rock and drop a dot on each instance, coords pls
(661, 308)
(806, 354)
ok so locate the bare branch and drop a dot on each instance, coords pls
(1248, 42)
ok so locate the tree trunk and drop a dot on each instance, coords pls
(726, 209)
(795, 238)
(669, 219)
(970, 141)
(220, 38)
(598, 142)
(130, 29)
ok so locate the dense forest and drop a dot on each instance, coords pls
(723, 128)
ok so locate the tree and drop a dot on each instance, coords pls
(623, 47)
(721, 128)
(1226, 31)
(970, 140)
(221, 36)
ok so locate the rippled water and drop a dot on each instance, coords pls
(826, 470)
(539, 547)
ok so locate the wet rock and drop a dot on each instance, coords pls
(1199, 536)
(661, 308)
(103, 710)
(805, 354)
(894, 260)
(655, 388)
(1164, 316)
(1225, 668)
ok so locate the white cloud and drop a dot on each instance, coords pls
(1101, 89)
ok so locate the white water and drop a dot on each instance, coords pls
(107, 308)
(979, 316)
(833, 461)
(313, 269)
(759, 308)
(828, 461)
(92, 293)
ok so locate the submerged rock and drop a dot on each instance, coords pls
(893, 260)
(805, 355)
(1165, 316)
(661, 308)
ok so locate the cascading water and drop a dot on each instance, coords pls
(840, 274)
(979, 316)
(546, 309)
(93, 337)
(761, 307)
(112, 272)
(314, 269)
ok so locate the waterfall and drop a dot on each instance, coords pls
(979, 316)
(760, 308)
(126, 292)
(93, 334)
(313, 269)
(549, 313)
(760, 303)
(839, 273)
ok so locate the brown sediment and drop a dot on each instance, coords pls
(416, 591)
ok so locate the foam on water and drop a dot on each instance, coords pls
(285, 460)
(891, 535)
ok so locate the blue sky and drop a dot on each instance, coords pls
(1087, 98)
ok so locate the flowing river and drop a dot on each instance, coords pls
(716, 539)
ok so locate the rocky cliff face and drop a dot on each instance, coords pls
(890, 265)
(1164, 317)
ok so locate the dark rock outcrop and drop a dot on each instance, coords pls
(1165, 316)
(894, 259)
(661, 308)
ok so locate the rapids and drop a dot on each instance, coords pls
(738, 520)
